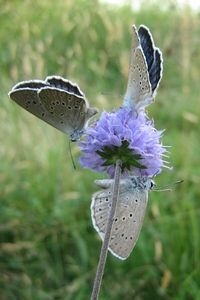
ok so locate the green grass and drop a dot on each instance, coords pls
(48, 248)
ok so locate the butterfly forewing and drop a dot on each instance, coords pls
(127, 223)
(135, 40)
(128, 219)
(31, 84)
(139, 88)
(69, 108)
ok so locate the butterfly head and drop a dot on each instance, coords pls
(76, 134)
(142, 182)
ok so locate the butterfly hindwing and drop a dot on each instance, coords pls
(100, 208)
(128, 219)
(69, 108)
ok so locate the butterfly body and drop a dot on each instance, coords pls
(57, 101)
(129, 214)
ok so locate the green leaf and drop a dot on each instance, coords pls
(128, 157)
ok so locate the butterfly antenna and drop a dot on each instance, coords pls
(71, 156)
(168, 188)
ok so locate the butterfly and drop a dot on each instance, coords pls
(129, 213)
(57, 101)
(145, 71)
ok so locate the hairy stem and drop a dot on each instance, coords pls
(104, 248)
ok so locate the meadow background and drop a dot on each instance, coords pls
(48, 248)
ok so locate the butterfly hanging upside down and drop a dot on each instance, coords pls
(129, 214)
(57, 101)
(145, 73)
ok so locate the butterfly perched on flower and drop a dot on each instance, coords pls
(145, 70)
(142, 140)
(57, 101)
(129, 214)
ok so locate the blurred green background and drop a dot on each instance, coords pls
(48, 248)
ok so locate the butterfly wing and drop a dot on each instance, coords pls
(66, 101)
(25, 94)
(32, 84)
(128, 220)
(100, 208)
(156, 70)
(104, 183)
(56, 101)
(153, 57)
(69, 108)
(64, 84)
(71, 88)
(139, 92)
(147, 44)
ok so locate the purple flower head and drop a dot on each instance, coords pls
(126, 135)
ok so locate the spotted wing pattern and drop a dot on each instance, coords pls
(139, 92)
(129, 214)
(145, 71)
(57, 101)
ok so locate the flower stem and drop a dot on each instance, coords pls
(104, 248)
